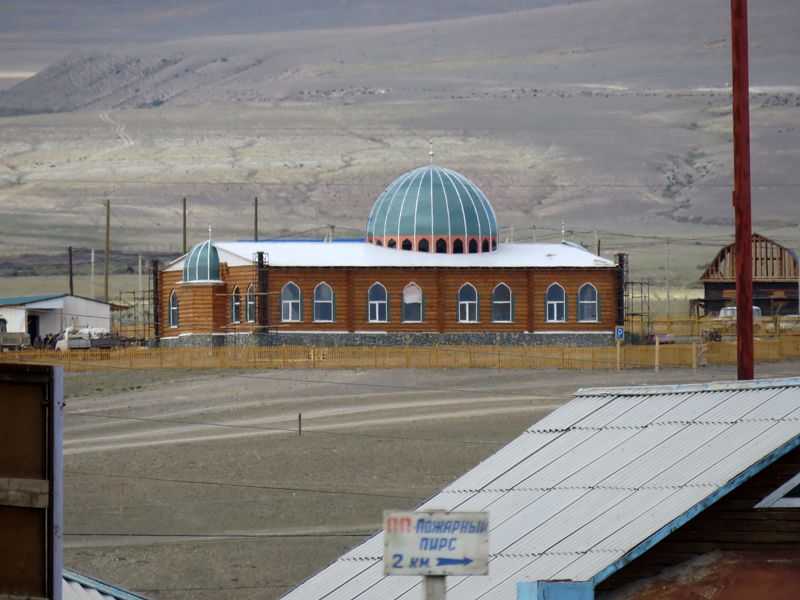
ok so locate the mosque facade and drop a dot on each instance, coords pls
(430, 262)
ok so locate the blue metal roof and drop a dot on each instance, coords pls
(19, 300)
(594, 484)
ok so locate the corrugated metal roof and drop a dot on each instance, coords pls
(19, 300)
(75, 586)
(593, 481)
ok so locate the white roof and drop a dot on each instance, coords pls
(609, 473)
(75, 586)
(362, 254)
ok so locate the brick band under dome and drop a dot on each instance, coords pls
(433, 209)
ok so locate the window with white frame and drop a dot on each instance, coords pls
(324, 304)
(377, 304)
(588, 304)
(173, 309)
(291, 304)
(250, 304)
(556, 301)
(468, 304)
(502, 304)
(413, 304)
(236, 306)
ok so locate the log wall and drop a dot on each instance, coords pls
(201, 305)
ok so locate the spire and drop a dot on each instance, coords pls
(209, 230)
(431, 151)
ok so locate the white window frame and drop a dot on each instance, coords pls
(468, 308)
(552, 306)
(236, 306)
(174, 314)
(412, 288)
(376, 305)
(498, 303)
(320, 303)
(292, 308)
(590, 305)
(250, 305)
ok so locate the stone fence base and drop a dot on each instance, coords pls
(342, 340)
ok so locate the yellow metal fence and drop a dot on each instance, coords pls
(503, 357)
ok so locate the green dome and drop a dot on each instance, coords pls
(433, 209)
(201, 264)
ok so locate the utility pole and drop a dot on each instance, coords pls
(741, 190)
(668, 311)
(108, 237)
(184, 224)
(70, 272)
(255, 219)
(91, 278)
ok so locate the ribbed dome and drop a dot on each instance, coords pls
(202, 263)
(432, 209)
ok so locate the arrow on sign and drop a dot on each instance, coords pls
(453, 561)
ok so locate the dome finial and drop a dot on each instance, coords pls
(209, 230)
(431, 151)
(563, 232)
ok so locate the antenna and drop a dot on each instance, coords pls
(431, 151)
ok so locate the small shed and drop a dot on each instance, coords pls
(616, 486)
(42, 314)
(775, 278)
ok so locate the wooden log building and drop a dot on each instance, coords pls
(775, 279)
(430, 261)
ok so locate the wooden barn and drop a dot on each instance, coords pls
(775, 278)
(430, 261)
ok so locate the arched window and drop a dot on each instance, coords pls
(250, 304)
(291, 304)
(324, 304)
(485, 246)
(473, 246)
(458, 247)
(379, 243)
(556, 301)
(588, 304)
(502, 304)
(494, 244)
(236, 306)
(407, 245)
(377, 304)
(391, 244)
(423, 246)
(441, 246)
(413, 304)
(173, 309)
(469, 302)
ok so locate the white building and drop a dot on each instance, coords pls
(51, 313)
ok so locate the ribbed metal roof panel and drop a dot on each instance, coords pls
(493, 468)
(596, 479)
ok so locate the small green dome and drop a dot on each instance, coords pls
(433, 209)
(202, 263)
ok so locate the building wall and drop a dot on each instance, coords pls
(730, 524)
(203, 304)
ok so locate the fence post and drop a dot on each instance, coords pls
(407, 357)
(694, 359)
(313, 358)
(284, 356)
(658, 347)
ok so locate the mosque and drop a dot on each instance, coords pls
(430, 262)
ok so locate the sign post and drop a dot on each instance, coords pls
(435, 544)
(619, 335)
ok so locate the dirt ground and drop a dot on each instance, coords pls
(189, 485)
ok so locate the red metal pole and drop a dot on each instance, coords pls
(741, 190)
